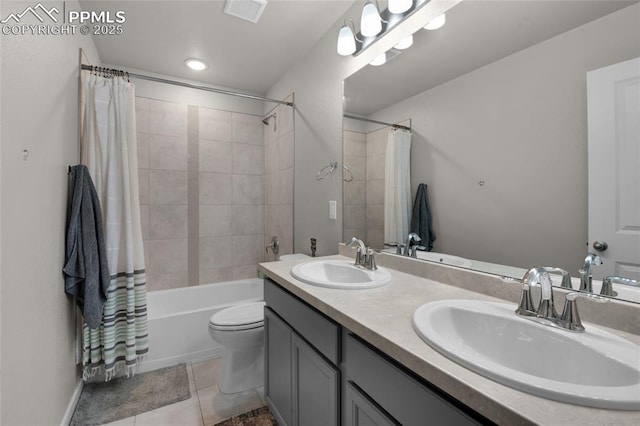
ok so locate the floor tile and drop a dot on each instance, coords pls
(184, 413)
(192, 379)
(217, 406)
(206, 373)
(129, 421)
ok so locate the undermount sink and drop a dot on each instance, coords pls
(341, 274)
(594, 368)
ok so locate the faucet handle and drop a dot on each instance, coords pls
(370, 259)
(360, 257)
(570, 316)
(526, 308)
(607, 287)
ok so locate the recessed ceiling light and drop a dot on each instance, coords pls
(195, 64)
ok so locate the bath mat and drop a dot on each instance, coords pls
(258, 417)
(120, 398)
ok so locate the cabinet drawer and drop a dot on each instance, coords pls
(401, 395)
(320, 331)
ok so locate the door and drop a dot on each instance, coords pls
(315, 387)
(277, 357)
(359, 411)
(613, 101)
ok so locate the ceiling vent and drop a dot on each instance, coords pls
(249, 10)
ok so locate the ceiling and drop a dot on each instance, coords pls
(159, 35)
(477, 33)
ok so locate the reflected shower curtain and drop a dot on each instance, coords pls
(397, 186)
(110, 153)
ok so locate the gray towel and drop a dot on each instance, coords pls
(86, 272)
(421, 217)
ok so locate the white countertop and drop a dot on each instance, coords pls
(382, 316)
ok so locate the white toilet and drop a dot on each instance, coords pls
(240, 330)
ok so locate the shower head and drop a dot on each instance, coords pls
(265, 121)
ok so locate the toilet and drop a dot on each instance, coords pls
(240, 330)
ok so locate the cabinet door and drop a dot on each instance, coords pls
(315, 387)
(277, 369)
(359, 411)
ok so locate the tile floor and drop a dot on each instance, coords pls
(206, 407)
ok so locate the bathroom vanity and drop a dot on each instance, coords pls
(351, 357)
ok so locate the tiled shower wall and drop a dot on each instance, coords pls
(364, 155)
(279, 145)
(376, 150)
(202, 197)
(354, 193)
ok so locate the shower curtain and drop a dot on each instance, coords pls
(397, 186)
(109, 150)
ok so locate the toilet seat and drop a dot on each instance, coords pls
(245, 316)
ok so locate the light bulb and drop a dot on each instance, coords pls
(195, 64)
(379, 60)
(405, 44)
(399, 6)
(370, 22)
(436, 23)
(346, 41)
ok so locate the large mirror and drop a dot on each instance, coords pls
(497, 103)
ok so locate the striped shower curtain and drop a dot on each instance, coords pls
(109, 150)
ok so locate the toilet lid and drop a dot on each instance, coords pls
(238, 317)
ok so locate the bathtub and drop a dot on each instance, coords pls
(179, 318)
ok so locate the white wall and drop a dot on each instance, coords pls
(39, 76)
(519, 124)
(184, 95)
(316, 81)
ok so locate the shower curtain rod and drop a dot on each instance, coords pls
(395, 126)
(190, 86)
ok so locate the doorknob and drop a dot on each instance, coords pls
(600, 245)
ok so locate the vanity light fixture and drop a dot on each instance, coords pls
(195, 64)
(347, 39)
(385, 57)
(381, 59)
(400, 6)
(405, 44)
(370, 21)
(436, 23)
(374, 24)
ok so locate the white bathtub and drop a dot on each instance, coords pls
(179, 318)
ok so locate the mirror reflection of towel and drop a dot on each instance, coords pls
(421, 217)
(86, 272)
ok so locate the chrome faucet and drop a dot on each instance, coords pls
(546, 307)
(274, 245)
(546, 313)
(586, 276)
(409, 248)
(365, 256)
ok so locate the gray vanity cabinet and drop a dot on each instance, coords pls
(302, 382)
(320, 374)
(278, 373)
(391, 394)
(358, 410)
